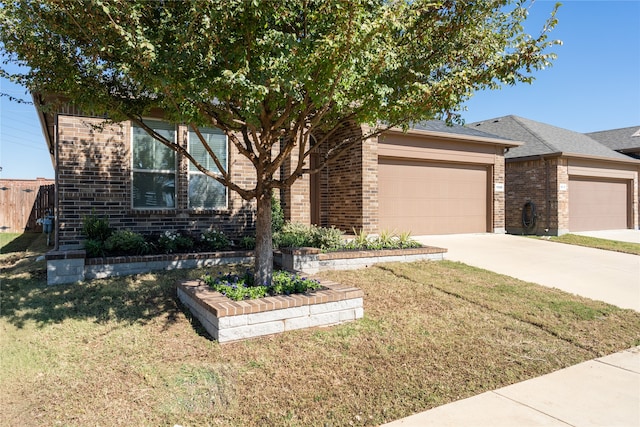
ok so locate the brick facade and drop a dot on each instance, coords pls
(347, 187)
(94, 176)
(545, 182)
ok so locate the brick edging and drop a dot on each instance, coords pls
(221, 306)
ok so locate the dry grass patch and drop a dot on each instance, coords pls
(123, 351)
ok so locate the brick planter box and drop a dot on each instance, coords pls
(312, 260)
(72, 266)
(226, 320)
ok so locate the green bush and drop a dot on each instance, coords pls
(127, 243)
(171, 241)
(385, 240)
(248, 242)
(96, 228)
(328, 239)
(215, 240)
(241, 287)
(94, 248)
(294, 235)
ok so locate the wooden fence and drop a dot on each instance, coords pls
(22, 202)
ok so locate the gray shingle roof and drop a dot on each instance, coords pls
(441, 126)
(624, 139)
(541, 138)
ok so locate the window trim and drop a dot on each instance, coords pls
(225, 207)
(135, 170)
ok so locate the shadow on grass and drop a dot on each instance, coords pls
(137, 299)
(23, 242)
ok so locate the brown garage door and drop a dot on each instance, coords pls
(431, 198)
(597, 204)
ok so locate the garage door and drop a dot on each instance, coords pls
(431, 198)
(597, 204)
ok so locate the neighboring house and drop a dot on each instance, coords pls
(433, 179)
(624, 140)
(561, 181)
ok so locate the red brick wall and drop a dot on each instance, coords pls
(94, 175)
(536, 181)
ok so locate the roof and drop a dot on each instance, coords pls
(541, 138)
(623, 139)
(440, 129)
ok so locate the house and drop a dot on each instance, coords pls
(624, 140)
(560, 181)
(120, 172)
(433, 179)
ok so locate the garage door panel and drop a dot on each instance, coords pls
(598, 204)
(432, 198)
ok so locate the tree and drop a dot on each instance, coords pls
(266, 72)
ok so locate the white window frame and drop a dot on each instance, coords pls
(173, 172)
(191, 173)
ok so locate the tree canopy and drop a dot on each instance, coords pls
(272, 71)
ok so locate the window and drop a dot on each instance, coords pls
(154, 167)
(204, 191)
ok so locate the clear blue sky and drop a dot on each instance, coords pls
(593, 85)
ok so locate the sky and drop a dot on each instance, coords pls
(593, 85)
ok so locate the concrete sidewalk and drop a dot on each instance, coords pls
(600, 392)
(607, 276)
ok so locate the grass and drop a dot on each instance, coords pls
(594, 242)
(123, 351)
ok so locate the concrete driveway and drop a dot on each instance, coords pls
(593, 273)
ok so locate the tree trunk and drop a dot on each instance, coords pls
(264, 241)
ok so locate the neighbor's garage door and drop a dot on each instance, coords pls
(431, 198)
(597, 204)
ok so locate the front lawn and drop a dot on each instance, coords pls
(122, 351)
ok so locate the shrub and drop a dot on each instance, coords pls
(127, 242)
(328, 239)
(94, 248)
(294, 235)
(386, 240)
(241, 287)
(215, 240)
(96, 228)
(248, 242)
(172, 241)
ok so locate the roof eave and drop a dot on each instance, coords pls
(458, 137)
(629, 161)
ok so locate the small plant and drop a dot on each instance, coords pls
(96, 228)
(127, 242)
(294, 235)
(241, 287)
(248, 242)
(215, 240)
(171, 241)
(360, 241)
(406, 241)
(94, 248)
(328, 239)
(386, 240)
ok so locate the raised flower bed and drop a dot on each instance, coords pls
(226, 320)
